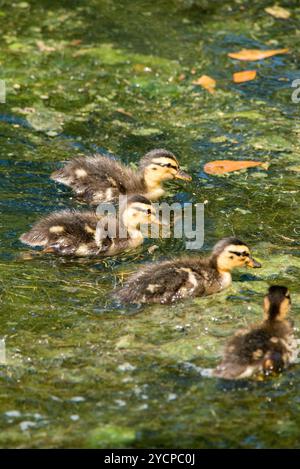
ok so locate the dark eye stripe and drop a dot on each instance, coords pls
(167, 165)
(144, 210)
(243, 254)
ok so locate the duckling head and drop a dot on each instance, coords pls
(230, 253)
(277, 303)
(138, 211)
(161, 165)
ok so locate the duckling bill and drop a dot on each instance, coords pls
(97, 179)
(266, 348)
(170, 281)
(75, 233)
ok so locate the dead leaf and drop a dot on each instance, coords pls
(121, 110)
(206, 82)
(43, 47)
(241, 77)
(227, 166)
(256, 54)
(75, 42)
(278, 12)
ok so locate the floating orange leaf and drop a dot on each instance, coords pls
(241, 77)
(278, 12)
(227, 166)
(43, 47)
(256, 54)
(121, 110)
(206, 82)
(76, 42)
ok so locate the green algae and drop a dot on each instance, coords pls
(111, 437)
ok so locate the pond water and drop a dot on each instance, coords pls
(116, 76)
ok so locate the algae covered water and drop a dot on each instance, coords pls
(77, 368)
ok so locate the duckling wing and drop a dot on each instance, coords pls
(66, 232)
(237, 363)
(160, 283)
(96, 179)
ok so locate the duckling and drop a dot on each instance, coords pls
(87, 234)
(97, 178)
(264, 348)
(169, 281)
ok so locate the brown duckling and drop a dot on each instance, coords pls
(71, 232)
(169, 281)
(264, 348)
(98, 178)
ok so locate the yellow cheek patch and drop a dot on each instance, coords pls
(56, 229)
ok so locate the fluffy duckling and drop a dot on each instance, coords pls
(264, 348)
(97, 178)
(169, 281)
(86, 233)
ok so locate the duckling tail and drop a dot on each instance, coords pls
(34, 238)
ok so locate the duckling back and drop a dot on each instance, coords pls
(261, 350)
(170, 281)
(97, 179)
(66, 232)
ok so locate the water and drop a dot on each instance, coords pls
(81, 370)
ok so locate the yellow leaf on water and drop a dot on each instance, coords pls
(278, 12)
(227, 166)
(206, 82)
(121, 110)
(256, 54)
(241, 77)
(43, 47)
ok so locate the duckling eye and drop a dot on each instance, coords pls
(169, 165)
(154, 169)
(149, 211)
